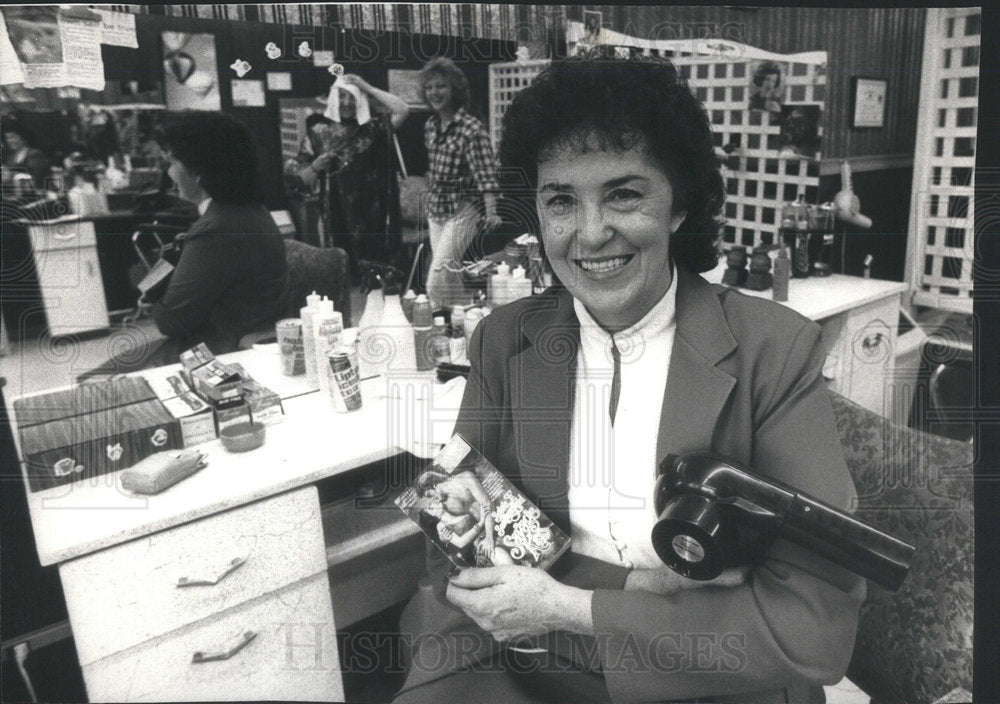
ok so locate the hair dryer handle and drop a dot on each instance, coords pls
(843, 539)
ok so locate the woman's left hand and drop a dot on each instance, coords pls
(512, 601)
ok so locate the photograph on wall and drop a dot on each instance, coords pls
(406, 84)
(800, 130)
(592, 27)
(766, 87)
(190, 73)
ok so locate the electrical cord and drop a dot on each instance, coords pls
(21, 652)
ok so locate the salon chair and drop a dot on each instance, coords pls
(323, 270)
(914, 645)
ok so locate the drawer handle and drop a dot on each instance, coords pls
(871, 343)
(64, 234)
(230, 567)
(227, 650)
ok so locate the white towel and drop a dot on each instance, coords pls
(362, 111)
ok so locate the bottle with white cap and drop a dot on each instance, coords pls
(497, 293)
(456, 342)
(328, 325)
(440, 344)
(307, 312)
(409, 298)
(519, 286)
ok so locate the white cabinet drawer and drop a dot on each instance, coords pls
(293, 655)
(72, 290)
(62, 235)
(125, 595)
(860, 344)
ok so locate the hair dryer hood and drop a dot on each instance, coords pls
(712, 511)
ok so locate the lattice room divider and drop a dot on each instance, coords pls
(760, 178)
(940, 247)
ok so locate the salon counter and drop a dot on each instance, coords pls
(859, 319)
(220, 586)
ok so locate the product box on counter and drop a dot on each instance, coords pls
(265, 405)
(196, 417)
(217, 382)
(197, 356)
(231, 414)
(92, 444)
(89, 397)
(170, 387)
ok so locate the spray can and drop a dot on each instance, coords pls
(423, 333)
(782, 272)
(456, 343)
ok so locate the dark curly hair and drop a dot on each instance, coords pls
(764, 70)
(220, 149)
(623, 102)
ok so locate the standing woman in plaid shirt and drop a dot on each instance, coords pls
(462, 174)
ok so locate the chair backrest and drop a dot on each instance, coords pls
(914, 645)
(325, 271)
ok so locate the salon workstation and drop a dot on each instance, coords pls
(408, 353)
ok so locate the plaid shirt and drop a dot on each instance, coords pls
(462, 166)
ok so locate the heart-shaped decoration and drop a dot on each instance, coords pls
(304, 50)
(180, 64)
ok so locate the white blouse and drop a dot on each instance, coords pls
(612, 469)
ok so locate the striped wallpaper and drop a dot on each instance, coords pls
(504, 22)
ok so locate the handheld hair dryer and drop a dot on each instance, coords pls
(716, 514)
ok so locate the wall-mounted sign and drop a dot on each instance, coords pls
(248, 93)
(868, 101)
(279, 80)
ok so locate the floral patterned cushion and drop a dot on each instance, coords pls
(914, 645)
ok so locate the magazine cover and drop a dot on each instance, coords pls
(476, 516)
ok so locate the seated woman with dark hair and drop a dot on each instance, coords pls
(231, 278)
(579, 393)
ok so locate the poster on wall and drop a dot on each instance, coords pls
(190, 74)
(766, 87)
(406, 84)
(53, 47)
(248, 93)
(799, 134)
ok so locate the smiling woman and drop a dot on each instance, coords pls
(579, 394)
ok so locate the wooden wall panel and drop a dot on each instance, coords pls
(874, 42)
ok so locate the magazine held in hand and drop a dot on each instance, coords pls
(475, 515)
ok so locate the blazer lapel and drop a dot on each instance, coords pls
(696, 388)
(542, 390)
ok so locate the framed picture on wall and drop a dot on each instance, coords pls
(406, 84)
(868, 102)
(592, 21)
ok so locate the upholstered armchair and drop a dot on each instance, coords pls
(914, 645)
